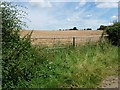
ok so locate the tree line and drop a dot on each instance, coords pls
(102, 27)
(74, 28)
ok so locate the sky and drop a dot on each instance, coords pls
(66, 14)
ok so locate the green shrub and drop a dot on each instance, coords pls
(114, 33)
(19, 57)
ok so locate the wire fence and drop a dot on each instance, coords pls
(64, 40)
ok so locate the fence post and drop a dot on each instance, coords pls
(73, 41)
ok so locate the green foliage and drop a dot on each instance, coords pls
(13, 47)
(114, 33)
(84, 66)
(102, 27)
(11, 23)
(19, 57)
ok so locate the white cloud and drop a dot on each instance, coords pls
(110, 23)
(89, 15)
(73, 18)
(106, 4)
(68, 19)
(15, 0)
(40, 3)
(114, 17)
(93, 23)
(62, 0)
(59, 16)
(81, 3)
(41, 19)
(106, 0)
(6, 0)
(84, 19)
(83, 0)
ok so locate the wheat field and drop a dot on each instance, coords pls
(55, 37)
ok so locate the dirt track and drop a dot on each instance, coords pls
(110, 82)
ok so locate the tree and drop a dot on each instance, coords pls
(114, 33)
(75, 28)
(89, 29)
(59, 29)
(102, 27)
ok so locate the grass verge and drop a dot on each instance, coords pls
(84, 66)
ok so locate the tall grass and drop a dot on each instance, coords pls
(84, 66)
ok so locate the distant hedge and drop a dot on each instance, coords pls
(114, 33)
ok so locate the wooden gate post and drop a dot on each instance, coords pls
(73, 41)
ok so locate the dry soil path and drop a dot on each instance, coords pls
(110, 82)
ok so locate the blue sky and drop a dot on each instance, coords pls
(46, 15)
